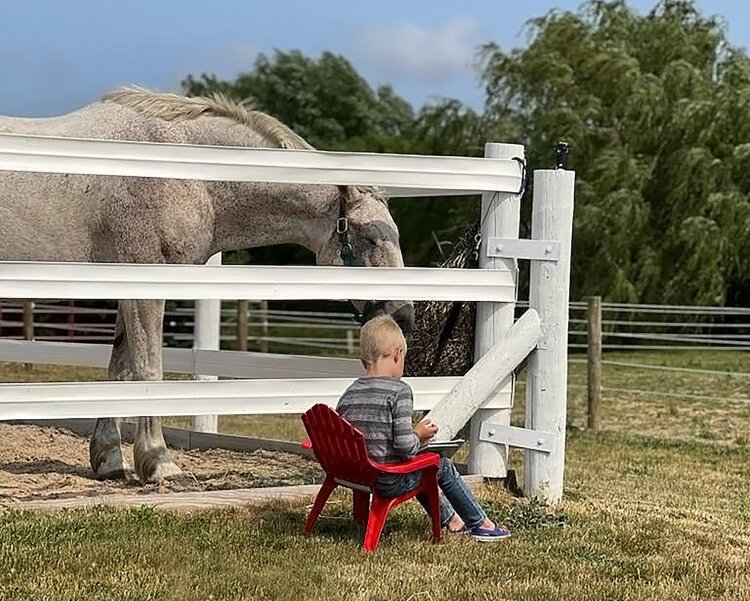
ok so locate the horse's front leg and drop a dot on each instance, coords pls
(105, 449)
(143, 324)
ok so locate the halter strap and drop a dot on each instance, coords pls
(342, 230)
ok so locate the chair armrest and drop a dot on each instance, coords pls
(419, 462)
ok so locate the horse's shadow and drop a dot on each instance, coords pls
(45, 466)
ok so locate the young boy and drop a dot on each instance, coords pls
(380, 405)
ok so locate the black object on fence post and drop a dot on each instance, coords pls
(594, 361)
(241, 325)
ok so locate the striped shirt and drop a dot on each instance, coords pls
(381, 408)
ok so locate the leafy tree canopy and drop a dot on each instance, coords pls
(656, 109)
(655, 106)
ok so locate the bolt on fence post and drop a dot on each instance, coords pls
(594, 363)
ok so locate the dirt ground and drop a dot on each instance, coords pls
(51, 463)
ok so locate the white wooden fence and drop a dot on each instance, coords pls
(499, 178)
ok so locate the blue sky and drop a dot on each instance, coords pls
(57, 55)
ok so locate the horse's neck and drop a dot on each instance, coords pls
(253, 214)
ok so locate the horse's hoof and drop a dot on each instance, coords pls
(166, 471)
(157, 470)
(112, 467)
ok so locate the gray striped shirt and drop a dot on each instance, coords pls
(381, 408)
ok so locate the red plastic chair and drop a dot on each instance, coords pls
(340, 449)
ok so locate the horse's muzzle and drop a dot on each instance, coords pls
(402, 313)
(404, 317)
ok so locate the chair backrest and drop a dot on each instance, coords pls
(339, 446)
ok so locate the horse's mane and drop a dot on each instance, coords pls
(377, 193)
(174, 107)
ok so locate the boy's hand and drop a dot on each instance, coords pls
(426, 429)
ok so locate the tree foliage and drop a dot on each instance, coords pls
(326, 101)
(656, 109)
(655, 106)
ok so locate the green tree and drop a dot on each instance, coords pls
(328, 103)
(446, 127)
(656, 109)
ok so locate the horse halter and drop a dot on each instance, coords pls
(350, 259)
(346, 252)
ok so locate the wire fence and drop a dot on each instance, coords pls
(267, 329)
(624, 326)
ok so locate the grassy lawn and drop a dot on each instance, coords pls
(656, 507)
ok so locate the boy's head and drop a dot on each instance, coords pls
(382, 347)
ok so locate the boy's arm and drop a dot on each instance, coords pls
(405, 441)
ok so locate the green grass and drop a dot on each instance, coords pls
(656, 507)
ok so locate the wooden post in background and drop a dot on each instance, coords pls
(241, 325)
(263, 314)
(28, 324)
(594, 361)
(28, 320)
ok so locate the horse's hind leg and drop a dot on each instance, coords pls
(143, 324)
(105, 450)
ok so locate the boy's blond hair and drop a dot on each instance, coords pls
(378, 337)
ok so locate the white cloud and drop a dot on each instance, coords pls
(407, 51)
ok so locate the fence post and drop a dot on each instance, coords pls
(207, 336)
(28, 320)
(71, 321)
(594, 361)
(28, 324)
(263, 313)
(547, 370)
(241, 325)
(501, 216)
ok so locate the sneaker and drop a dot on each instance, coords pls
(489, 536)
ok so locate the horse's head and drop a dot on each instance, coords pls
(364, 234)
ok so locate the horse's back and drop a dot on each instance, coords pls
(99, 120)
(48, 216)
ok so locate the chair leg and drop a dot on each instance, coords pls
(429, 478)
(325, 491)
(361, 502)
(379, 509)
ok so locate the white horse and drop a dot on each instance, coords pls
(56, 217)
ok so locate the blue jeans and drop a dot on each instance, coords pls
(456, 497)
